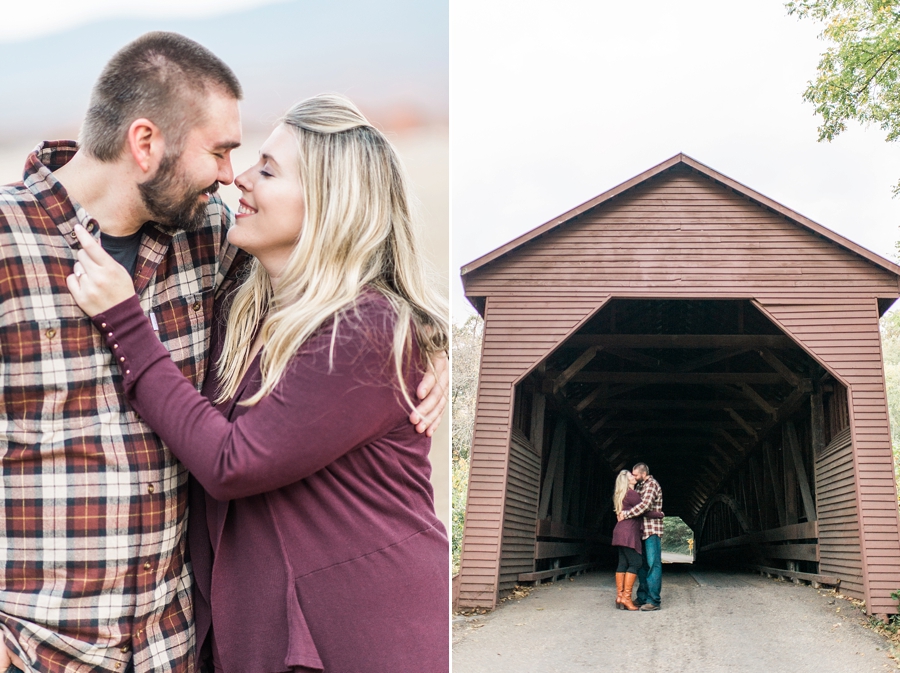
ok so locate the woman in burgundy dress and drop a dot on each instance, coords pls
(627, 536)
(314, 541)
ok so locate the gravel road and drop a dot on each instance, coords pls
(711, 622)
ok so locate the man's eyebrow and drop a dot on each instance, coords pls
(230, 145)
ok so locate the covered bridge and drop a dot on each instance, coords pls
(683, 320)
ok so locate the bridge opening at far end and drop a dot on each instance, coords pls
(678, 543)
(746, 432)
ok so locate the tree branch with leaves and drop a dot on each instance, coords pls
(858, 77)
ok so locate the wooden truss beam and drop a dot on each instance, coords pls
(643, 404)
(633, 341)
(680, 378)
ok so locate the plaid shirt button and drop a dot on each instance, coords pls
(50, 333)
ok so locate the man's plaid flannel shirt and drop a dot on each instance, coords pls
(92, 527)
(651, 501)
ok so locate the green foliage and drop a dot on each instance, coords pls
(466, 358)
(676, 535)
(890, 347)
(858, 77)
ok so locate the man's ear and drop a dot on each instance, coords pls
(145, 144)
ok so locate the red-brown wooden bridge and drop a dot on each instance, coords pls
(683, 320)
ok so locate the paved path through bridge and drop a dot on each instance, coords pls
(711, 622)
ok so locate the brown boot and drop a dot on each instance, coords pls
(626, 594)
(620, 590)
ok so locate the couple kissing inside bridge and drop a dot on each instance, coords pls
(637, 500)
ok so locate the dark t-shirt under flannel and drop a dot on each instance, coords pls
(92, 526)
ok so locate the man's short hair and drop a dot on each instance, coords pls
(642, 468)
(161, 76)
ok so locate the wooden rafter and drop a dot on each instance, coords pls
(757, 399)
(633, 341)
(575, 367)
(646, 405)
(750, 430)
(776, 364)
(681, 378)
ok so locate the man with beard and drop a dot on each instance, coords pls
(93, 506)
(650, 573)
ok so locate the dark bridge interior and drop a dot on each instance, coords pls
(730, 414)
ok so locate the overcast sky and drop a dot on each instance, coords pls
(21, 20)
(554, 103)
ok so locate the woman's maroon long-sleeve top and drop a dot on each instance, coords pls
(322, 549)
(627, 532)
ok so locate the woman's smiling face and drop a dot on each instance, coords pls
(272, 210)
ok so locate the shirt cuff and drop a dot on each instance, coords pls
(131, 339)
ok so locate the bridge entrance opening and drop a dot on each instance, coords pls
(746, 432)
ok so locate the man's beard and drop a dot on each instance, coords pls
(170, 205)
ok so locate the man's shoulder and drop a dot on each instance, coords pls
(14, 195)
(19, 208)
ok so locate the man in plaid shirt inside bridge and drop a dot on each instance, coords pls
(93, 575)
(650, 573)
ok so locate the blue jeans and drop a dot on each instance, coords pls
(650, 574)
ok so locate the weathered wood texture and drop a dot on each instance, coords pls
(507, 353)
(839, 547)
(844, 335)
(520, 513)
(682, 234)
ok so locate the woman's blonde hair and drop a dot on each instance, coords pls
(620, 490)
(358, 231)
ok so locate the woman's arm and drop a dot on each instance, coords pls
(313, 417)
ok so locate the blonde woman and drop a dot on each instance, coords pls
(627, 539)
(314, 541)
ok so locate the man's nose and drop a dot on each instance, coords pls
(226, 172)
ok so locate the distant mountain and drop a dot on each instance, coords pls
(391, 57)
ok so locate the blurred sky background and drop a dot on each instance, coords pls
(390, 57)
(555, 103)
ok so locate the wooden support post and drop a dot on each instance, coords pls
(570, 489)
(538, 411)
(559, 480)
(777, 484)
(792, 515)
(817, 422)
(793, 446)
(755, 484)
(557, 446)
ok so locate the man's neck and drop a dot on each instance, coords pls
(105, 191)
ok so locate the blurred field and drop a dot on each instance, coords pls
(425, 151)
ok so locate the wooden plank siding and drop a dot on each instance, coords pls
(505, 358)
(680, 234)
(852, 351)
(839, 542)
(520, 513)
